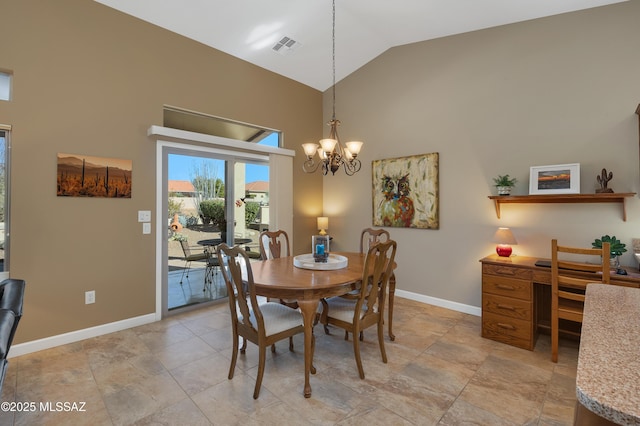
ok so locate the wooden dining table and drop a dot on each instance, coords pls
(280, 279)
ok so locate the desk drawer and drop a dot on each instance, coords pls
(507, 330)
(507, 286)
(507, 306)
(507, 271)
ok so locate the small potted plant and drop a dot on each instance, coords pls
(616, 248)
(504, 184)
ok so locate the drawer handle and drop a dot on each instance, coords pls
(506, 271)
(508, 307)
(505, 287)
(507, 326)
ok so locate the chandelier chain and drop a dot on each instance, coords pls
(333, 58)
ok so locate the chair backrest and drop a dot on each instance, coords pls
(378, 267)
(578, 266)
(238, 277)
(11, 299)
(370, 236)
(274, 244)
(185, 248)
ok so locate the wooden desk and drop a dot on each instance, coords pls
(278, 278)
(514, 310)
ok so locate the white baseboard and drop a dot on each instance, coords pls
(75, 336)
(454, 306)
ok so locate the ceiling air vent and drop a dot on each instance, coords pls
(286, 45)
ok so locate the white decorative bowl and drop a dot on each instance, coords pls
(334, 261)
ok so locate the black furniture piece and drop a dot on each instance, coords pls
(11, 300)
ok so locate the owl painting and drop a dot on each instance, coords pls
(405, 192)
(396, 208)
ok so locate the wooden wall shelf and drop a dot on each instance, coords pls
(611, 197)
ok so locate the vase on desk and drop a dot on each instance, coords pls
(614, 262)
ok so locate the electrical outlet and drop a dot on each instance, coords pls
(146, 228)
(89, 297)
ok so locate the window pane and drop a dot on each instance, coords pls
(5, 86)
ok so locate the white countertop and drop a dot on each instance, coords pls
(608, 378)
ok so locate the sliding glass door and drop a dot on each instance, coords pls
(210, 198)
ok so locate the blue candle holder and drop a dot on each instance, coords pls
(320, 246)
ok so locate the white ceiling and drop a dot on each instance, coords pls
(248, 29)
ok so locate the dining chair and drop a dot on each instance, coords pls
(273, 245)
(263, 324)
(190, 256)
(370, 236)
(368, 310)
(569, 278)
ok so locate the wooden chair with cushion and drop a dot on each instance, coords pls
(569, 278)
(263, 324)
(368, 310)
(273, 245)
(370, 236)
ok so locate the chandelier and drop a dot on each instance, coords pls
(331, 152)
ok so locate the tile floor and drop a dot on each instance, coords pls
(174, 372)
(193, 289)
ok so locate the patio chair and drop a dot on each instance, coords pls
(190, 256)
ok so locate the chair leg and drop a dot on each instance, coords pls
(187, 265)
(261, 362)
(291, 343)
(234, 356)
(383, 352)
(323, 316)
(273, 348)
(356, 351)
(244, 346)
(554, 343)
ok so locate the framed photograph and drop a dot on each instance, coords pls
(89, 176)
(556, 179)
(405, 192)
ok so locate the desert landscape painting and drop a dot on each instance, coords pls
(88, 176)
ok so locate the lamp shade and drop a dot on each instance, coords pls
(505, 239)
(323, 224)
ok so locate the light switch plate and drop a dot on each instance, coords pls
(144, 215)
(146, 228)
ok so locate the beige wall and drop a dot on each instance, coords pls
(90, 80)
(557, 90)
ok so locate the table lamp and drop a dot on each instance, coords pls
(505, 239)
(323, 225)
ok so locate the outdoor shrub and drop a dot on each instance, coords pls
(174, 207)
(192, 220)
(251, 212)
(212, 212)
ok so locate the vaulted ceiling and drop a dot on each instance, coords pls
(249, 29)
